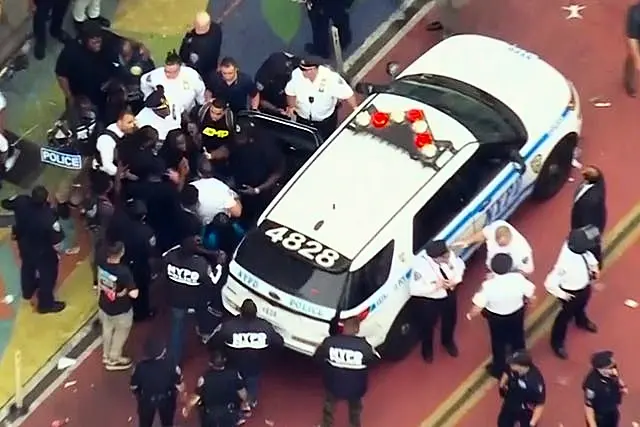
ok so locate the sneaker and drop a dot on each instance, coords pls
(123, 359)
(116, 365)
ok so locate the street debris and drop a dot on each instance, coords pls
(576, 163)
(574, 11)
(65, 362)
(70, 384)
(8, 299)
(269, 423)
(598, 102)
(60, 423)
(130, 419)
(563, 381)
(631, 303)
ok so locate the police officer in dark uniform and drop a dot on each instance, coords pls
(322, 14)
(193, 286)
(134, 61)
(271, 79)
(156, 382)
(99, 214)
(216, 124)
(140, 250)
(603, 389)
(346, 358)
(220, 394)
(37, 232)
(523, 391)
(246, 339)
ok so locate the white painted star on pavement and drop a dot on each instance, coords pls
(574, 11)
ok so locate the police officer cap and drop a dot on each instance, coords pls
(520, 358)
(310, 62)
(437, 248)
(578, 241)
(602, 359)
(501, 263)
(136, 208)
(154, 348)
(156, 99)
(91, 30)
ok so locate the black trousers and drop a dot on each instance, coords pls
(505, 330)
(218, 417)
(329, 406)
(609, 419)
(574, 309)
(164, 406)
(38, 272)
(321, 17)
(325, 127)
(597, 252)
(511, 417)
(142, 279)
(54, 10)
(427, 312)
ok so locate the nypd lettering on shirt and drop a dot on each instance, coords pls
(252, 340)
(62, 160)
(346, 358)
(183, 275)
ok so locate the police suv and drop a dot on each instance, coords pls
(459, 139)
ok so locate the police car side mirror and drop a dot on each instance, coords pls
(518, 162)
(365, 89)
(393, 69)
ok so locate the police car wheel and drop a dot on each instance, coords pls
(401, 338)
(556, 169)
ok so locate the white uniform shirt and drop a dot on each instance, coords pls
(214, 196)
(519, 249)
(427, 276)
(504, 294)
(4, 143)
(146, 117)
(572, 272)
(327, 89)
(106, 146)
(183, 91)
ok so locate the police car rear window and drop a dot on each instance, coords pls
(292, 274)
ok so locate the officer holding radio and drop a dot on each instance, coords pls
(346, 358)
(246, 339)
(570, 281)
(216, 124)
(193, 286)
(523, 391)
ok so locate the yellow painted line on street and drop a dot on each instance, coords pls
(475, 386)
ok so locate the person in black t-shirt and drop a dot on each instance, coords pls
(200, 48)
(116, 287)
(271, 79)
(86, 67)
(233, 86)
(256, 165)
(174, 153)
(216, 124)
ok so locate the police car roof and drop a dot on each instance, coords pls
(360, 179)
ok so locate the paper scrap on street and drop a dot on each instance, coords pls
(65, 362)
(8, 299)
(269, 423)
(576, 164)
(70, 384)
(631, 303)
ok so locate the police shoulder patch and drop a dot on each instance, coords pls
(178, 370)
(259, 86)
(149, 78)
(525, 260)
(152, 241)
(589, 394)
(239, 376)
(200, 382)
(56, 227)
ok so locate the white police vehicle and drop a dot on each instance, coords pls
(459, 139)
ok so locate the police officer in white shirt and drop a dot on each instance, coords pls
(502, 237)
(4, 143)
(158, 114)
(437, 274)
(313, 94)
(502, 299)
(182, 85)
(570, 282)
(105, 158)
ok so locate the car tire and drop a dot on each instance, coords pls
(401, 338)
(556, 169)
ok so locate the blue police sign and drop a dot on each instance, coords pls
(60, 159)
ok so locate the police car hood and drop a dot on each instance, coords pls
(532, 88)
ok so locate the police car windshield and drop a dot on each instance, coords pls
(289, 273)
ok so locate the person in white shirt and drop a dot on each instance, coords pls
(158, 114)
(214, 196)
(182, 85)
(313, 94)
(105, 157)
(437, 274)
(570, 282)
(4, 143)
(502, 237)
(502, 299)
